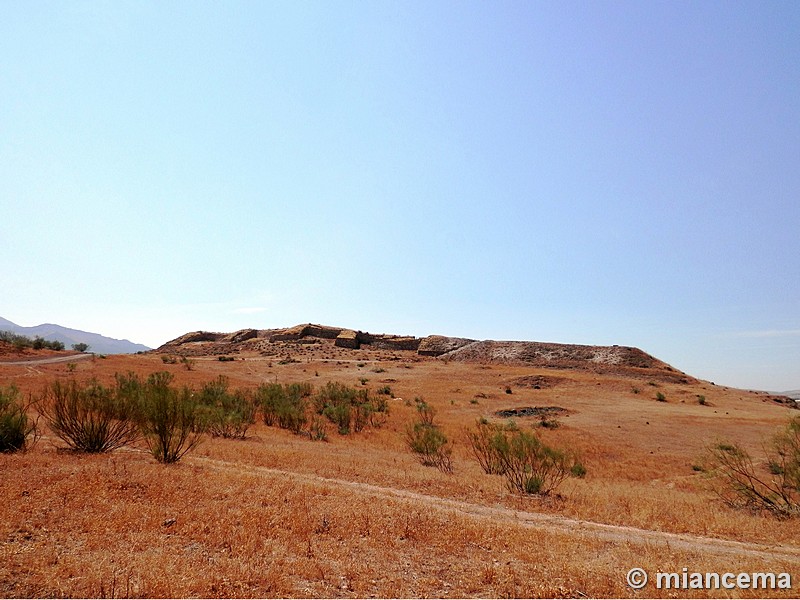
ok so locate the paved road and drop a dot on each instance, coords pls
(46, 361)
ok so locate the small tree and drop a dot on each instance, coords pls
(80, 347)
(774, 488)
(16, 427)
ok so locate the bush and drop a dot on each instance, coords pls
(89, 418)
(169, 419)
(224, 413)
(532, 467)
(427, 440)
(285, 405)
(528, 464)
(318, 431)
(774, 489)
(80, 347)
(350, 409)
(484, 443)
(16, 427)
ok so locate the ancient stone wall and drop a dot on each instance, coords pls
(347, 338)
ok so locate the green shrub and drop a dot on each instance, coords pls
(21, 342)
(528, 464)
(532, 467)
(485, 444)
(350, 409)
(225, 413)
(661, 397)
(425, 412)
(318, 430)
(430, 443)
(774, 489)
(169, 419)
(385, 390)
(89, 417)
(284, 405)
(16, 427)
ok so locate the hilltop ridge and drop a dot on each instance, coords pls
(629, 360)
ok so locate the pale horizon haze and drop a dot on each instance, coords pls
(592, 173)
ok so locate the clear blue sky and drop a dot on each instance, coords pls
(590, 172)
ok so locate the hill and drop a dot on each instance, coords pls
(606, 359)
(97, 343)
(284, 514)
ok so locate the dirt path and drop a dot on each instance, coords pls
(551, 523)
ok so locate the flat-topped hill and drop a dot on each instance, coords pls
(545, 354)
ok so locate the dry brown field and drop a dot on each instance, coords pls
(279, 515)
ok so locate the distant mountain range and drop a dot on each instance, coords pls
(97, 343)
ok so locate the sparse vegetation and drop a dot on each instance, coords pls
(169, 418)
(426, 439)
(281, 516)
(17, 429)
(775, 488)
(89, 417)
(529, 465)
(225, 413)
(20, 342)
(484, 446)
(80, 347)
(284, 405)
(661, 397)
(350, 409)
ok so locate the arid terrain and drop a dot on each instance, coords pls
(358, 515)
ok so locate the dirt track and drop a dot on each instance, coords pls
(551, 523)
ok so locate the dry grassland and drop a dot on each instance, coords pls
(279, 515)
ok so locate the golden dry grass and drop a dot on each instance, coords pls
(358, 516)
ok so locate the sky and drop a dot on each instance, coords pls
(617, 172)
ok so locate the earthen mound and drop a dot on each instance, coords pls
(436, 345)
